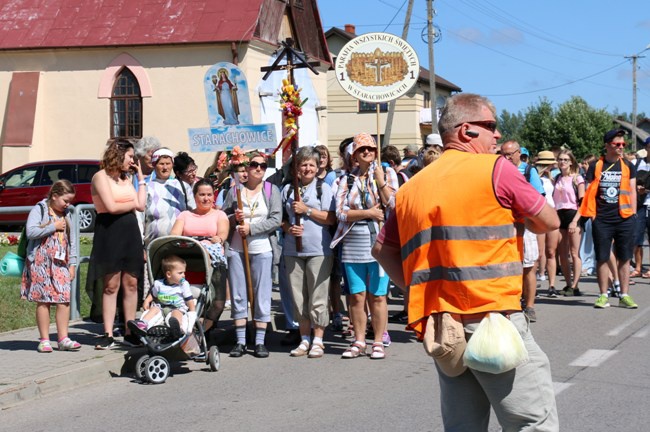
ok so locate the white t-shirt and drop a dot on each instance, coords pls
(255, 211)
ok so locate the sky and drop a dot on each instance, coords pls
(518, 52)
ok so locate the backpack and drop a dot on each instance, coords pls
(574, 182)
(22, 244)
(527, 170)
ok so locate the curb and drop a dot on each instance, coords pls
(62, 379)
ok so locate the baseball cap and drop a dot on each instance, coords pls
(434, 139)
(647, 141)
(524, 151)
(610, 135)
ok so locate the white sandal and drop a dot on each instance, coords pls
(378, 351)
(301, 350)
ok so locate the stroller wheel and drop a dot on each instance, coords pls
(140, 367)
(157, 370)
(214, 358)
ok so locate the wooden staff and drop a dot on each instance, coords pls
(291, 54)
(247, 261)
(378, 134)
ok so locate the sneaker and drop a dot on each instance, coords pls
(552, 292)
(137, 327)
(530, 314)
(541, 278)
(627, 302)
(175, 328)
(567, 291)
(385, 339)
(602, 302)
(227, 305)
(577, 292)
(105, 342)
(44, 346)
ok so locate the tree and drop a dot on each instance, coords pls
(539, 131)
(580, 127)
(510, 125)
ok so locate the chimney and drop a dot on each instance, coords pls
(350, 28)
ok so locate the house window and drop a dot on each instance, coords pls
(372, 107)
(126, 107)
(427, 99)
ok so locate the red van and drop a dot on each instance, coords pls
(30, 183)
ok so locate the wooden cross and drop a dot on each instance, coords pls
(294, 60)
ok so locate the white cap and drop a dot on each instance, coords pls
(434, 139)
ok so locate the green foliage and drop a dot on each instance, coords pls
(580, 127)
(539, 130)
(510, 125)
(16, 313)
(574, 125)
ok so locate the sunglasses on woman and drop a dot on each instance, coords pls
(256, 165)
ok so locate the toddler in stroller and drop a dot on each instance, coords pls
(179, 270)
(172, 292)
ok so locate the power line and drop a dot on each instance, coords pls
(531, 30)
(560, 85)
(395, 16)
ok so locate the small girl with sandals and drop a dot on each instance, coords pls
(50, 264)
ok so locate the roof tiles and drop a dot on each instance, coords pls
(28, 24)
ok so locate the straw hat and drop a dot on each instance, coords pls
(545, 157)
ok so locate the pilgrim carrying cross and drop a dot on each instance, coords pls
(294, 60)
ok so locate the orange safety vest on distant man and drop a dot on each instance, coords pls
(459, 246)
(588, 206)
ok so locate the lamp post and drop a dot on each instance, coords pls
(634, 59)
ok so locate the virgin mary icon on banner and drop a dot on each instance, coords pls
(226, 93)
(227, 100)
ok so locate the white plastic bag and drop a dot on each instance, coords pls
(496, 346)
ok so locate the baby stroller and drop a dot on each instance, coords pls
(162, 347)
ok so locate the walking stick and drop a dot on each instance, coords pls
(247, 261)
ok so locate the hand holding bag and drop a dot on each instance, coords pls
(496, 346)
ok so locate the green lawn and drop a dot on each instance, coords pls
(16, 313)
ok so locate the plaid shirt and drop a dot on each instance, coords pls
(362, 195)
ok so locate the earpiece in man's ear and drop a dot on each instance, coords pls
(471, 133)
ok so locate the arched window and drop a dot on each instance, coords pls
(126, 106)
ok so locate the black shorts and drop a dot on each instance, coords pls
(621, 233)
(566, 217)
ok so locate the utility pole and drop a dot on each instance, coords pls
(432, 73)
(391, 104)
(634, 67)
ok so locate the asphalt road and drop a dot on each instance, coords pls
(599, 360)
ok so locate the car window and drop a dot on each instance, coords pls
(86, 172)
(53, 173)
(22, 178)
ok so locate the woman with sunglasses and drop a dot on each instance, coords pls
(261, 214)
(567, 195)
(116, 259)
(361, 198)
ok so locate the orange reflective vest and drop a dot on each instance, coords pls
(588, 206)
(459, 246)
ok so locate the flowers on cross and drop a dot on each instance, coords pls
(291, 107)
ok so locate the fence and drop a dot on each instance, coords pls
(75, 291)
